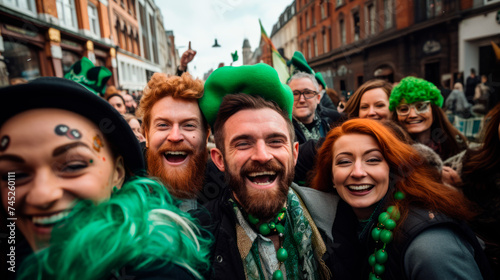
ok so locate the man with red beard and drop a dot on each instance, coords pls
(176, 135)
(261, 227)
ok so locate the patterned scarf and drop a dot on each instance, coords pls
(315, 132)
(301, 263)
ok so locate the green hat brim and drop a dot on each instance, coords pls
(260, 79)
(413, 89)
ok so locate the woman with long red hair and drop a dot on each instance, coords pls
(392, 221)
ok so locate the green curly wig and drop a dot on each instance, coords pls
(140, 227)
(412, 90)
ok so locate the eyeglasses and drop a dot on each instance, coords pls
(419, 107)
(308, 94)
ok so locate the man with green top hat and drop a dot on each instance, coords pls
(262, 229)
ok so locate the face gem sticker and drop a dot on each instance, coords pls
(97, 143)
(4, 143)
(61, 129)
(74, 134)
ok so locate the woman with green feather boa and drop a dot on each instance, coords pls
(71, 177)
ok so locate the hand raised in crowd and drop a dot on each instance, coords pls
(187, 57)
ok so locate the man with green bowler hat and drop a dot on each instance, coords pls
(262, 229)
(298, 63)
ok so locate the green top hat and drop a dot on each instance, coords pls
(93, 78)
(413, 89)
(260, 79)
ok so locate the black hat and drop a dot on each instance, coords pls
(52, 92)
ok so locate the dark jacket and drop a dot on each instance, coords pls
(347, 255)
(221, 222)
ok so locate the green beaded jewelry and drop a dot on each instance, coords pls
(276, 225)
(383, 233)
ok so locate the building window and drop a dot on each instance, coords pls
(356, 25)
(388, 11)
(67, 13)
(434, 8)
(22, 61)
(342, 32)
(340, 3)
(315, 46)
(325, 43)
(371, 22)
(307, 20)
(25, 6)
(68, 59)
(94, 20)
(309, 49)
(322, 8)
(313, 17)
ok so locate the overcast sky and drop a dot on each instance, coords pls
(230, 21)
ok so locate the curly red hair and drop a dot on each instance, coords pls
(162, 85)
(408, 171)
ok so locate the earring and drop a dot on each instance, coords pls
(115, 190)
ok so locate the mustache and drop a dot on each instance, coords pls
(252, 166)
(181, 146)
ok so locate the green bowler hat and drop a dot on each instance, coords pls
(92, 77)
(320, 79)
(260, 79)
(300, 63)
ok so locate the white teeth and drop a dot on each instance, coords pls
(414, 122)
(176, 153)
(360, 188)
(50, 219)
(255, 174)
(263, 184)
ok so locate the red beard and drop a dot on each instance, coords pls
(263, 204)
(182, 182)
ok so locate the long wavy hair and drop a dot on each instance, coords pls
(408, 171)
(352, 105)
(139, 227)
(443, 133)
(483, 162)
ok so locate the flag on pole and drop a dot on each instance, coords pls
(279, 63)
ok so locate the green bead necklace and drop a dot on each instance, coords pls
(383, 233)
(276, 225)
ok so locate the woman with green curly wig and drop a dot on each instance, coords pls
(417, 104)
(71, 168)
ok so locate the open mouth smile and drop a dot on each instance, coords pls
(360, 188)
(175, 157)
(263, 178)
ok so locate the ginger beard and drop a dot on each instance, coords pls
(263, 204)
(182, 182)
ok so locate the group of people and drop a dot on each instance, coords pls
(292, 189)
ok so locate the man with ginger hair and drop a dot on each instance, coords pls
(176, 137)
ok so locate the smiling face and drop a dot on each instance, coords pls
(304, 109)
(136, 128)
(176, 141)
(375, 105)
(417, 123)
(258, 159)
(360, 172)
(118, 104)
(67, 160)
